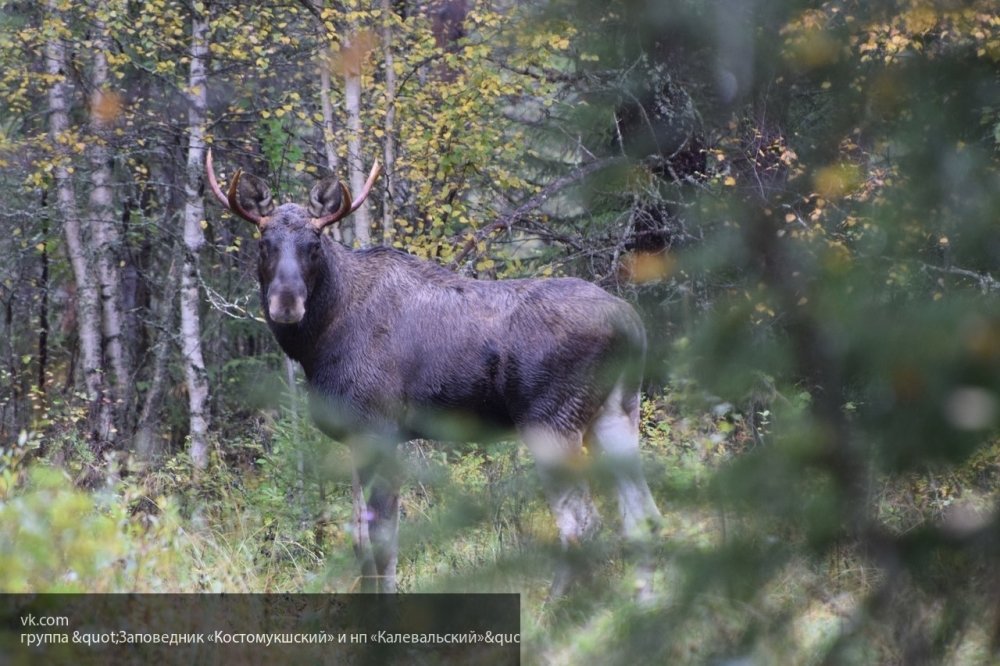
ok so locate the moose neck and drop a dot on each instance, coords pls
(327, 301)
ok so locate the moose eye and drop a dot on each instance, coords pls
(314, 252)
(265, 249)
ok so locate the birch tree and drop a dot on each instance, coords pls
(194, 212)
(87, 304)
(104, 109)
(353, 54)
(329, 149)
(332, 160)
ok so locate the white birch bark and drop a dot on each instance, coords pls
(104, 235)
(87, 303)
(332, 160)
(355, 163)
(194, 212)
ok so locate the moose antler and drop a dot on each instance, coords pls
(346, 207)
(231, 202)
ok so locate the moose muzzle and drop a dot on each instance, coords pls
(286, 295)
(285, 308)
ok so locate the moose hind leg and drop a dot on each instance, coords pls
(558, 457)
(615, 431)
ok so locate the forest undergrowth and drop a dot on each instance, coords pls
(272, 515)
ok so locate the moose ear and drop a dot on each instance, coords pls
(254, 195)
(326, 197)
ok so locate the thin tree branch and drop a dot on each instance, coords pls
(508, 219)
(987, 282)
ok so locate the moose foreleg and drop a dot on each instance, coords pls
(362, 539)
(383, 503)
(375, 488)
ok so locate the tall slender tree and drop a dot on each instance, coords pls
(332, 159)
(104, 110)
(353, 54)
(87, 302)
(194, 239)
(389, 125)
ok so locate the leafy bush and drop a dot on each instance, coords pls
(55, 537)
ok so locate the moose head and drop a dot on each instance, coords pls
(290, 247)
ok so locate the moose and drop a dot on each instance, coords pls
(394, 347)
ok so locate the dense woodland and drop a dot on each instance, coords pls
(802, 199)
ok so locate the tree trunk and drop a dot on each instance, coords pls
(10, 404)
(353, 64)
(147, 446)
(43, 305)
(300, 454)
(194, 239)
(88, 305)
(103, 112)
(332, 160)
(389, 148)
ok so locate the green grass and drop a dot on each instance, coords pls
(730, 585)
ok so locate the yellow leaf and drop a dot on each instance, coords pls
(836, 180)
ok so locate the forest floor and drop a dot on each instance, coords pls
(474, 519)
